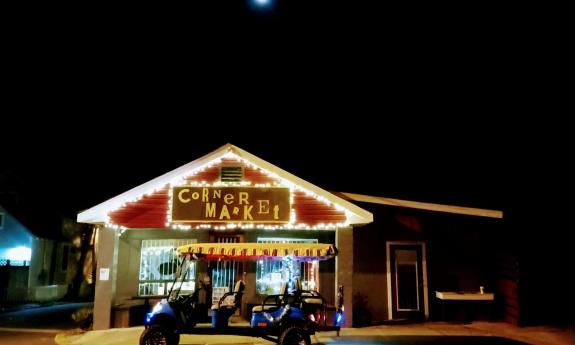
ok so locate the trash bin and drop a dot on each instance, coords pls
(219, 318)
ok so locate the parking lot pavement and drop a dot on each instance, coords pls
(476, 333)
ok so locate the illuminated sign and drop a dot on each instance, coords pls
(231, 204)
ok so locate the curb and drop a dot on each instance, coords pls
(66, 338)
(61, 339)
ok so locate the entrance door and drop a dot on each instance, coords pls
(407, 277)
(225, 273)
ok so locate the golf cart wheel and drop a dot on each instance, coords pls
(158, 335)
(294, 335)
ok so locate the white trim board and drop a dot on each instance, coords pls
(98, 214)
(423, 205)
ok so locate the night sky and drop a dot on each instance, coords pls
(90, 166)
(404, 102)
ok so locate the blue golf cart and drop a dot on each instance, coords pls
(287, 318)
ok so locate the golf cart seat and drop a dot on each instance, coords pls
(231, 300)
(312, 300)
(273, 302)
(270, 303)
(260, 308)
(227, 305)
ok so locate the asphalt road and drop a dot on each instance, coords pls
(20, 338)
(46, 337)
(39, 326)
(57, 316)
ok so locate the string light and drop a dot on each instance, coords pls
(300, 226)
(181, 180)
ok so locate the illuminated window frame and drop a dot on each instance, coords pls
(268, 272)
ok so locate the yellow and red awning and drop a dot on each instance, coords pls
(256, 251)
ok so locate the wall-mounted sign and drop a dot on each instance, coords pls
(104, 274)
(231, 204)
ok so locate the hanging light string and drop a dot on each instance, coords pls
(182, 180)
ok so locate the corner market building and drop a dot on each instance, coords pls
(232, 196)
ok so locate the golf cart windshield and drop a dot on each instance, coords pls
(180, 284)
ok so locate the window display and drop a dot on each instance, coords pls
(158, 263)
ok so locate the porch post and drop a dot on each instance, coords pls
(107, 256)
(344, 270)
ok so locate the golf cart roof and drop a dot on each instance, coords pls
(257, 251)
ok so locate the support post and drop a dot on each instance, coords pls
(344, 270)
(107, 256)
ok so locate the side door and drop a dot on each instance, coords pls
(407, 281)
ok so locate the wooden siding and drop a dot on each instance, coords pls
(151, 211)
(148, 212)
(310, 211)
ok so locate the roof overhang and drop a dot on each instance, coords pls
(99, 213)
(423, 205)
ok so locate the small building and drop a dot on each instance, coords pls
(228, 195)
(15, 240)
(415, 252)
(389, 265)
(32, 269)
(15, 254)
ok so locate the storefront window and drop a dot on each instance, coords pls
(271, 275)
(158, 263)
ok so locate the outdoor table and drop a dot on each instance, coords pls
(463, 296)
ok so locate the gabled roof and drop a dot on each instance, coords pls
(99, 213)
(423, 205)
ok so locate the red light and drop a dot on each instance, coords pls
(312, 317)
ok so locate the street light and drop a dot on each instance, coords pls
(261, 4)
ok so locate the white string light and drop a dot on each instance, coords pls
(280, 181)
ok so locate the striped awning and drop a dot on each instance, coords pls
(256, 251)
